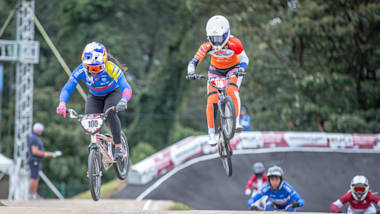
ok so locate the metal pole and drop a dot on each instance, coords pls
(1, 103)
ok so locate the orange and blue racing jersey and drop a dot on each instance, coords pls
(232, 54)
(108, 81)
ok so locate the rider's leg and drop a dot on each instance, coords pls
(114, 122)
(237, 94)
(94, 104)
(212, 100)
(112, 99)
(233, 92)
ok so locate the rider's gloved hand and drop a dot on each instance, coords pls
(247, 192)
(192, 77)
(61, 109)
(241, 71)
(334, 208)
(190, 69)
(253, 207)
(56, 154)
(296, 204)
(122, 105)
(293, 205)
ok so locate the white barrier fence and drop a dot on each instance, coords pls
(191, 147)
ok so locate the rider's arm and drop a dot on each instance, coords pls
(263, 191)
(244, 60)
(236, 45)
(248, 186)
(374, 198)
(119, 77)
(294, 196)
(71, 84)
(201, 53)
(335, 207)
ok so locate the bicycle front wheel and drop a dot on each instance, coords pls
(121, 167)
(229, 119)
(94, 174)
(225, 154)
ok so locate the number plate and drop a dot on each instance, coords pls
(92, 123)
(220, 82)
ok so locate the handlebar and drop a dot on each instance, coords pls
(73, 114)
(200, 76)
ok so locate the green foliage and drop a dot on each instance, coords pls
(141, 151)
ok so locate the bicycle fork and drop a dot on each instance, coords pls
(221, 100)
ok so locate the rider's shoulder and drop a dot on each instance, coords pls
(266, 188)
(113, 70)
(287, 186)
(235, 44)
(78, 71)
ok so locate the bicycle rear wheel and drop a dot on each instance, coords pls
(94, 174)
(228, 122)
(121, 168)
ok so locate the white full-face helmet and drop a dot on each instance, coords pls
(218, 31)
(359, 187)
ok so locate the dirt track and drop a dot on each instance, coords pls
(82, 206)
(100, 207)
(319, 177)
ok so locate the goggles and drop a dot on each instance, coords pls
(94, 69)
(359, 189)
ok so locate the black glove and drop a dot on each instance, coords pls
(296, 204)
(192, 77)
(122, 105)
(241, 72)
(253, 207)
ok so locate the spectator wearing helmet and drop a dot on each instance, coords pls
(36, 154)
(227, 57)
(257, 180)
(360, 199)
(108, 87)
(281, 195)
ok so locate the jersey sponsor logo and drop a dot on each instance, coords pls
(225, 53)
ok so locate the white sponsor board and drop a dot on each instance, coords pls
(377, 147)
(337, 140)
(191, 147)
(298, 139)
(143, 172)
(185, 149)
(250, 140)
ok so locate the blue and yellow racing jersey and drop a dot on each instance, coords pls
(108, 81)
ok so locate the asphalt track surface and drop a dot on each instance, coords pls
(319, 177)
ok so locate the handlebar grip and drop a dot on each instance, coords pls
(195, 77)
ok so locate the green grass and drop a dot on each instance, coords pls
(179, 206)
(2, 204)
(107, 189)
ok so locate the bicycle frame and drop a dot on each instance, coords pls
(96, 138)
